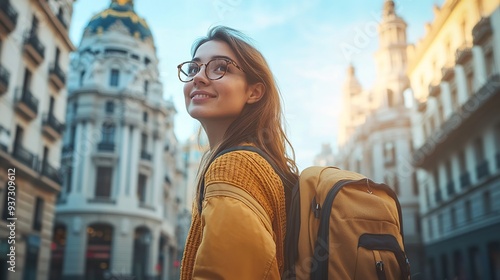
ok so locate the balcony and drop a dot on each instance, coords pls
(463, 53)
(4, 80)
(482, 103)
(57, 76)
(25, 157)
(27, 104)
(482, 170)
(8, 17)
(482, 31)
(52, 127)
(34, 49)
(106, 147)
(51, 173)
(450, 187)
(465, 180)
(145, 156)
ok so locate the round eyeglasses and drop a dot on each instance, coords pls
(214, 69)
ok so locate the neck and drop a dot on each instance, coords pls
(215, 130)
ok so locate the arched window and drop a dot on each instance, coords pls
(142, 246)
(57, 251)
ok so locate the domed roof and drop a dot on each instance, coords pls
(120, 12)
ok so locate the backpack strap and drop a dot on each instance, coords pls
(232, 149)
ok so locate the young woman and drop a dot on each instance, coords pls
(239, 218)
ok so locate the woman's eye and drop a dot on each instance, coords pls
(220, 67)
(192, 69)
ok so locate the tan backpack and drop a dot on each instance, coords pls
(341, 225)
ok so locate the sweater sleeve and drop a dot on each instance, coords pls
(237, 240)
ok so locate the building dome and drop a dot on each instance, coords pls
(120, 13)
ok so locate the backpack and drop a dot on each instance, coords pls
(341, 225)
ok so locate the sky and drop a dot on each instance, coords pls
(308, 44)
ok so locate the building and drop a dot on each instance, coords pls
(375, 130)
(454, 73)
(116, 214)
(34, 54)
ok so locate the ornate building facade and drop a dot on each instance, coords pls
(454, 72)
(375, 130)
(34, 54)
(116, 214)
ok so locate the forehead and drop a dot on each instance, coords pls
(212, 49)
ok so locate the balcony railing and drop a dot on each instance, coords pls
(434, 90)
(106, 147)
(4, 79)
(34, 48)
(57, 76)
(27, 104)
(51, 172)
(463, 53)
(145, 155)
(52, 126)
(8, 16)
(450, 187)
(448, 72)
(481, 31)
(465, 180)
(482, 170)
(26, 157)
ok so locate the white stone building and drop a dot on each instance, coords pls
(116, 214)
(34, 54)
(454, 72)
(375, 130)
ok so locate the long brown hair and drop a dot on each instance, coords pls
(259, 123)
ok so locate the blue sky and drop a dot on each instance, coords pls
(304, 41)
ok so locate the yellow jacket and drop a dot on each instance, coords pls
(241, 232)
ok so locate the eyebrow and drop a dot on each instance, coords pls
(197, 59)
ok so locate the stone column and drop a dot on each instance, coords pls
(461, 81)
(123, 160)
(123, 251)
(75, 251)
(479, 65)
(86, 184)
(134, 149)
(156, 194)
(446, 100)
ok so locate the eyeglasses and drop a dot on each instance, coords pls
(214, 69)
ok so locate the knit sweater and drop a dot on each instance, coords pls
(251, 173)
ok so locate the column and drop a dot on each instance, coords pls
(461, 81)
(156, 194)
(123, 253)
(123, 160)
(134, 149)
(77, 159)
(479, 66)
(92, 138)
(74, 253)
(446, 100)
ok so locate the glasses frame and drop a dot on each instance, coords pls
(227, 60)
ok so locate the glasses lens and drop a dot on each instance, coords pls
(189, 70)
(217, 68)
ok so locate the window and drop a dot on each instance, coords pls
(145, 116)
(490, 64)
(454, 99)
(72, 136)
(415, 184)
(453, 217)
(82, 76)
(479, 150)
(395, 185)
(110, 106)
(468, 210)
(444, 267)
(146, 86)
(103, 182)
(440, 224)
(75, 107)
(58, 53)
(389, 153)
(69, 176)
(487, 202)
(115, 75)
(144, 142)
(476, 263)
(461, 162)
(108, 132)
(38, 215)
(141, 188)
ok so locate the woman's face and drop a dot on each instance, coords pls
(217, 100)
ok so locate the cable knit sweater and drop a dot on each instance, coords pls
(230, 239)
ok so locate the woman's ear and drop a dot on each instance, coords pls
(257, 91)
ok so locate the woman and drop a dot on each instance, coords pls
(238, 225)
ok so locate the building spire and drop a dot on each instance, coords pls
(389, 8)
(123, 2)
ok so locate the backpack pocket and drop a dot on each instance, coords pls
(380, 257)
